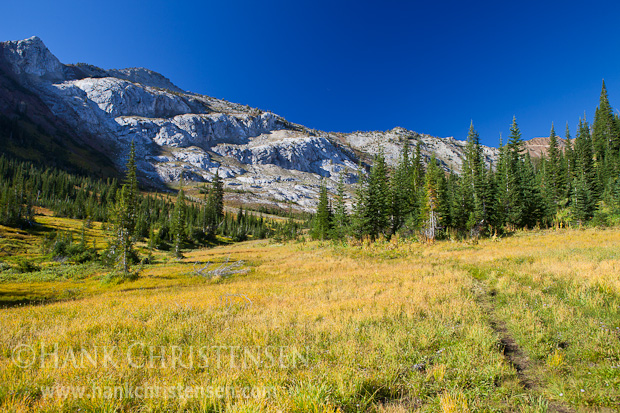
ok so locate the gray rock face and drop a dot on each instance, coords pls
(119, 97)
(32, 57)
(262, 156)
(144, 77)
(292, 150)
(203, 130)
(448, 151)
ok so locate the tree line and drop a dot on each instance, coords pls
(575, 185)
(128, 216)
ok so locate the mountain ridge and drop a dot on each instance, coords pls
(263, 157)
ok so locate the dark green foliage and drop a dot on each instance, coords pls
(605, 129)
(178, 223)
(583, 202)
(121, 253)
(520, 195)
(373, 211)
(552, 177)
(430, 202)
(61, 246)
(323, 220)
(585, 186)
(473, 199)
(341, 217)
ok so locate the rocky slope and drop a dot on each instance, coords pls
(263, 157)
(537, 147)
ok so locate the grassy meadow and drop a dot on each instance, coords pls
(527, 323)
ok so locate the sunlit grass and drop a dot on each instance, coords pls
(390, 327)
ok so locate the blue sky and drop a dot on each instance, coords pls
(356, 65)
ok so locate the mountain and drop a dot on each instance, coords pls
(537, 147)
(86, 117)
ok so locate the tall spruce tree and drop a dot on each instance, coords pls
(322, 225)
(131, 180)
(533, 208)
(515, 202)
(401, 187)
(217, 188)
(430, 207)
(378, 203)
(341, 218)
(472, 182)
(605, 131)
(552, 174)
(178, 221)
(501, 182)
(584, 184)
(360, 219)
(121, 245)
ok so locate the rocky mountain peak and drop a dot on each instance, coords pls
(32, 57)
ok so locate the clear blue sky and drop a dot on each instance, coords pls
(356, 65)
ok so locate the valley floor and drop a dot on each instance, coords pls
(527, 323)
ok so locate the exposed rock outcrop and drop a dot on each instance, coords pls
(178, 133)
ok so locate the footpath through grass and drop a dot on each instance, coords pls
(386, 327)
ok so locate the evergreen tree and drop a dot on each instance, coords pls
(501, 183)
(605, 131)
(401, 189)
(472, 191)
(583, 203)
(569, 154)
(551, 177)
(515, 202)
(121, 245)
(553, 167)
(323, 218)
(584, 159)
(360, 219)
(218, 195)
(131, 180)
(429, 212)
(178, 221)
(533, 208)
(341, 219)
(378, 203)
(492, 206)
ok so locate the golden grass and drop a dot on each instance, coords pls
(386, 327)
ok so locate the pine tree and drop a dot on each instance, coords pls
(131, 180)
(429, 213)
(323, 218)
(501, 183)
(378, 203)
(584, 158)
(218, 195)
(514, 196)
(178, 221)
(605, 131)
(472, 191)
(341, 219)
(533, 207)
(551, 181)
(583, 203)
(121, 245)
(492, 205)
(401, 188)
(360, 218)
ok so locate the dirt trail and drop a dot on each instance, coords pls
(511, 350)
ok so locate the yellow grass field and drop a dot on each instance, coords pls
(526, 323)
